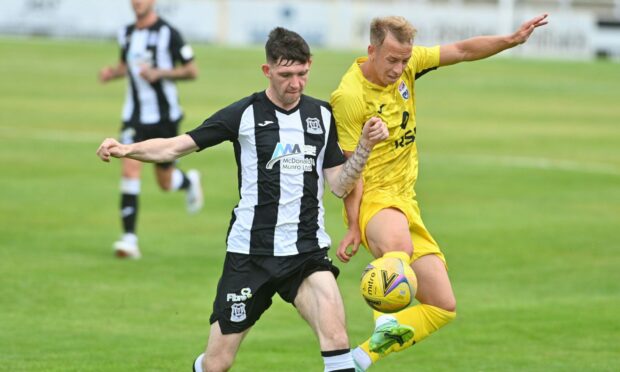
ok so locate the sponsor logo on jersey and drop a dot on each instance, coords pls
(152, 38)
(265, 123)
(314, 126)
(402, 89)
(245, 293)
(291, 157)
(237, 313)
(406, 139)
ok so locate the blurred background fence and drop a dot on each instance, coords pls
(579, 29)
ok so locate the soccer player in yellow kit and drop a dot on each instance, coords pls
(389, 222)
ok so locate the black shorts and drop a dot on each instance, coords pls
(131, 133)
(248, 283)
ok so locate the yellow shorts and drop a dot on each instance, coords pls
(423, 242)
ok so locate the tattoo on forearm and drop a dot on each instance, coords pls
(352, 169)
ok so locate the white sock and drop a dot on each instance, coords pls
(130, 186)
(337, 360)
(130, 238)
(198, 363)
(361, 358)
(176, 179)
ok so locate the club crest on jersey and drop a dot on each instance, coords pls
(402, 89)
(314, 126)
(292, 157)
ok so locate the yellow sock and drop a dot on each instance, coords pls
(399, 254)
(425, 319)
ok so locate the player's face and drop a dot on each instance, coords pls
(142, 7)
(287, 81)
(389, 60)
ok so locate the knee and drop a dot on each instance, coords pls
(448, 304)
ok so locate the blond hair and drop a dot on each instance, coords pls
(398, 26)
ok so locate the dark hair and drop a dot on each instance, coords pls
(286, 47)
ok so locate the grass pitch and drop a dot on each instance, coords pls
(519, 183)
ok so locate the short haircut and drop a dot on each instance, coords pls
(398, 26)
(286, 47)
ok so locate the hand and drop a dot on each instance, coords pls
(111, 148)
(150, 74)
(374, 131)
(526, 29)
(352, 237)
(106, 74)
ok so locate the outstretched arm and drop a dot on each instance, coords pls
(156, 150)
(485, 46)
(342, 178)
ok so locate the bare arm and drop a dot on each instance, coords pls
(156, 150)
(482, 47)
(342, 178)
(188, 71)
(353, 236)
(112, 72)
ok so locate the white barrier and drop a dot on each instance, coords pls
(335, 23)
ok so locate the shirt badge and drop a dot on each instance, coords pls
(314, 126)
(402, 89)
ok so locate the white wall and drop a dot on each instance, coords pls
(330, 23)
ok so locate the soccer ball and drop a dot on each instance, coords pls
(388, 284)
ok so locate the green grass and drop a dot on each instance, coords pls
(519, 182)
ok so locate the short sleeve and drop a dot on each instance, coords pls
(424, 59)
(216, 129)
(121, 38)
(349, 114)
(181, 52)
(333, 152)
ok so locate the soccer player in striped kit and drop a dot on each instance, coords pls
(153, 56)
(285, 147)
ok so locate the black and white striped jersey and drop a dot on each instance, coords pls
(160, 46)
(280, 157)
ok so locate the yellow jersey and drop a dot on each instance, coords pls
(393, 163)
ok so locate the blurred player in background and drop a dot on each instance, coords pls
(153, 56)
(382, 211)
(286, 147)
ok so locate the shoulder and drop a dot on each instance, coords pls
(427, 56)
(308, 100)
(351, 86)
(161, 23)
(237, 108)
(124, 32)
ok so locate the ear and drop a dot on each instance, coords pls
(309, 62)
(266, 70)
(371, 50)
